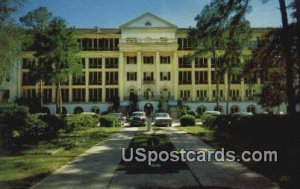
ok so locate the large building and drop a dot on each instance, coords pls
(146, 56)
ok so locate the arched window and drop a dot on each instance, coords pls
(234, 109)
(45, 110)
(251, 108)
(95, 109)
(201, 109)
(78, 110)
(64, 111)
(218, 108)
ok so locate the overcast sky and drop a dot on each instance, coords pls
(113, 13)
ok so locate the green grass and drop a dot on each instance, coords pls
(33, 162)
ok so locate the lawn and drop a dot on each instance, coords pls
(34, 162)
(285, 171)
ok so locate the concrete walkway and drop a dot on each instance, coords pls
(217, 174)
(94, 169)
(98, 168)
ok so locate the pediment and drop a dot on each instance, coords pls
(148, 20)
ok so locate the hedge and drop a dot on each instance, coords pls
(109, 121)
(187, 120)
(78, 121)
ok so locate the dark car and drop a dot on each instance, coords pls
(138, 119)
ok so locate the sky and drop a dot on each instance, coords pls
(113, 13)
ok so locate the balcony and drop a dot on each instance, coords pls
(148, 81)
(134, 41)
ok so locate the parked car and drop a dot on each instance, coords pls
(243, 114)
(163, 119)
(138, 119)
(212, 113)
(120, 117)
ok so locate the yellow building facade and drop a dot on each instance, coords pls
(146, 56)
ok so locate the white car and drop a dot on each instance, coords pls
(162, 119)
(138, 119)
(212, 112)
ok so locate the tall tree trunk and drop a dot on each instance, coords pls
(287, 55)
(228, 85)
(297, 4)
(216, 76)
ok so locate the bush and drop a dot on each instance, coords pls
(54, 122)
(108, 121)
(187, 120)
(78, 121)
(209, 120)
(18, 126)
(191, 112)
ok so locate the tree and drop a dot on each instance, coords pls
(36, 22)
(210, 36)
(57, 49)
(286, 42)
(10, 36)
(133, 102)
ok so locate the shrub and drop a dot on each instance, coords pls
(108, 121)
(18, 126)
(191, 112)
(78, 121)
(187, 120)
(54, 122)
(209, 120)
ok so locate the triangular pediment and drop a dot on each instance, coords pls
(148, 20)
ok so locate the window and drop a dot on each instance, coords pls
(95, 62)
(27, 79)
(201, 62)
(82, 62)
(184, 62)
(220, 93)
(165, 76)
(131, 60)
(111, 94)
(65, 95)
(234, 94)
(29, 94)
(214, 80)
(201, 77)
(201, 94)
(79, 79)
(131, 76)
(78, 95)
(185, 44)
(251, 108)
(185, 77)
(111, 63)
(28, 63)
(215, 62)
(95, 78)
(235, 79)
(234, 109)
(111, 78)
(148, 60)
(95, 95)
(165, 59)
(102, 44)
(185, 94)
(47, 95)
(250, 93)
(148, 76)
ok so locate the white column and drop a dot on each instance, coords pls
(103, 80)
(209, 80)
(87, 81)
(175, 75)
(157, 74)
(139, 73)
(121, 76)
(70, 88)
(242, 89)
(193, 81)
(226, 86)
